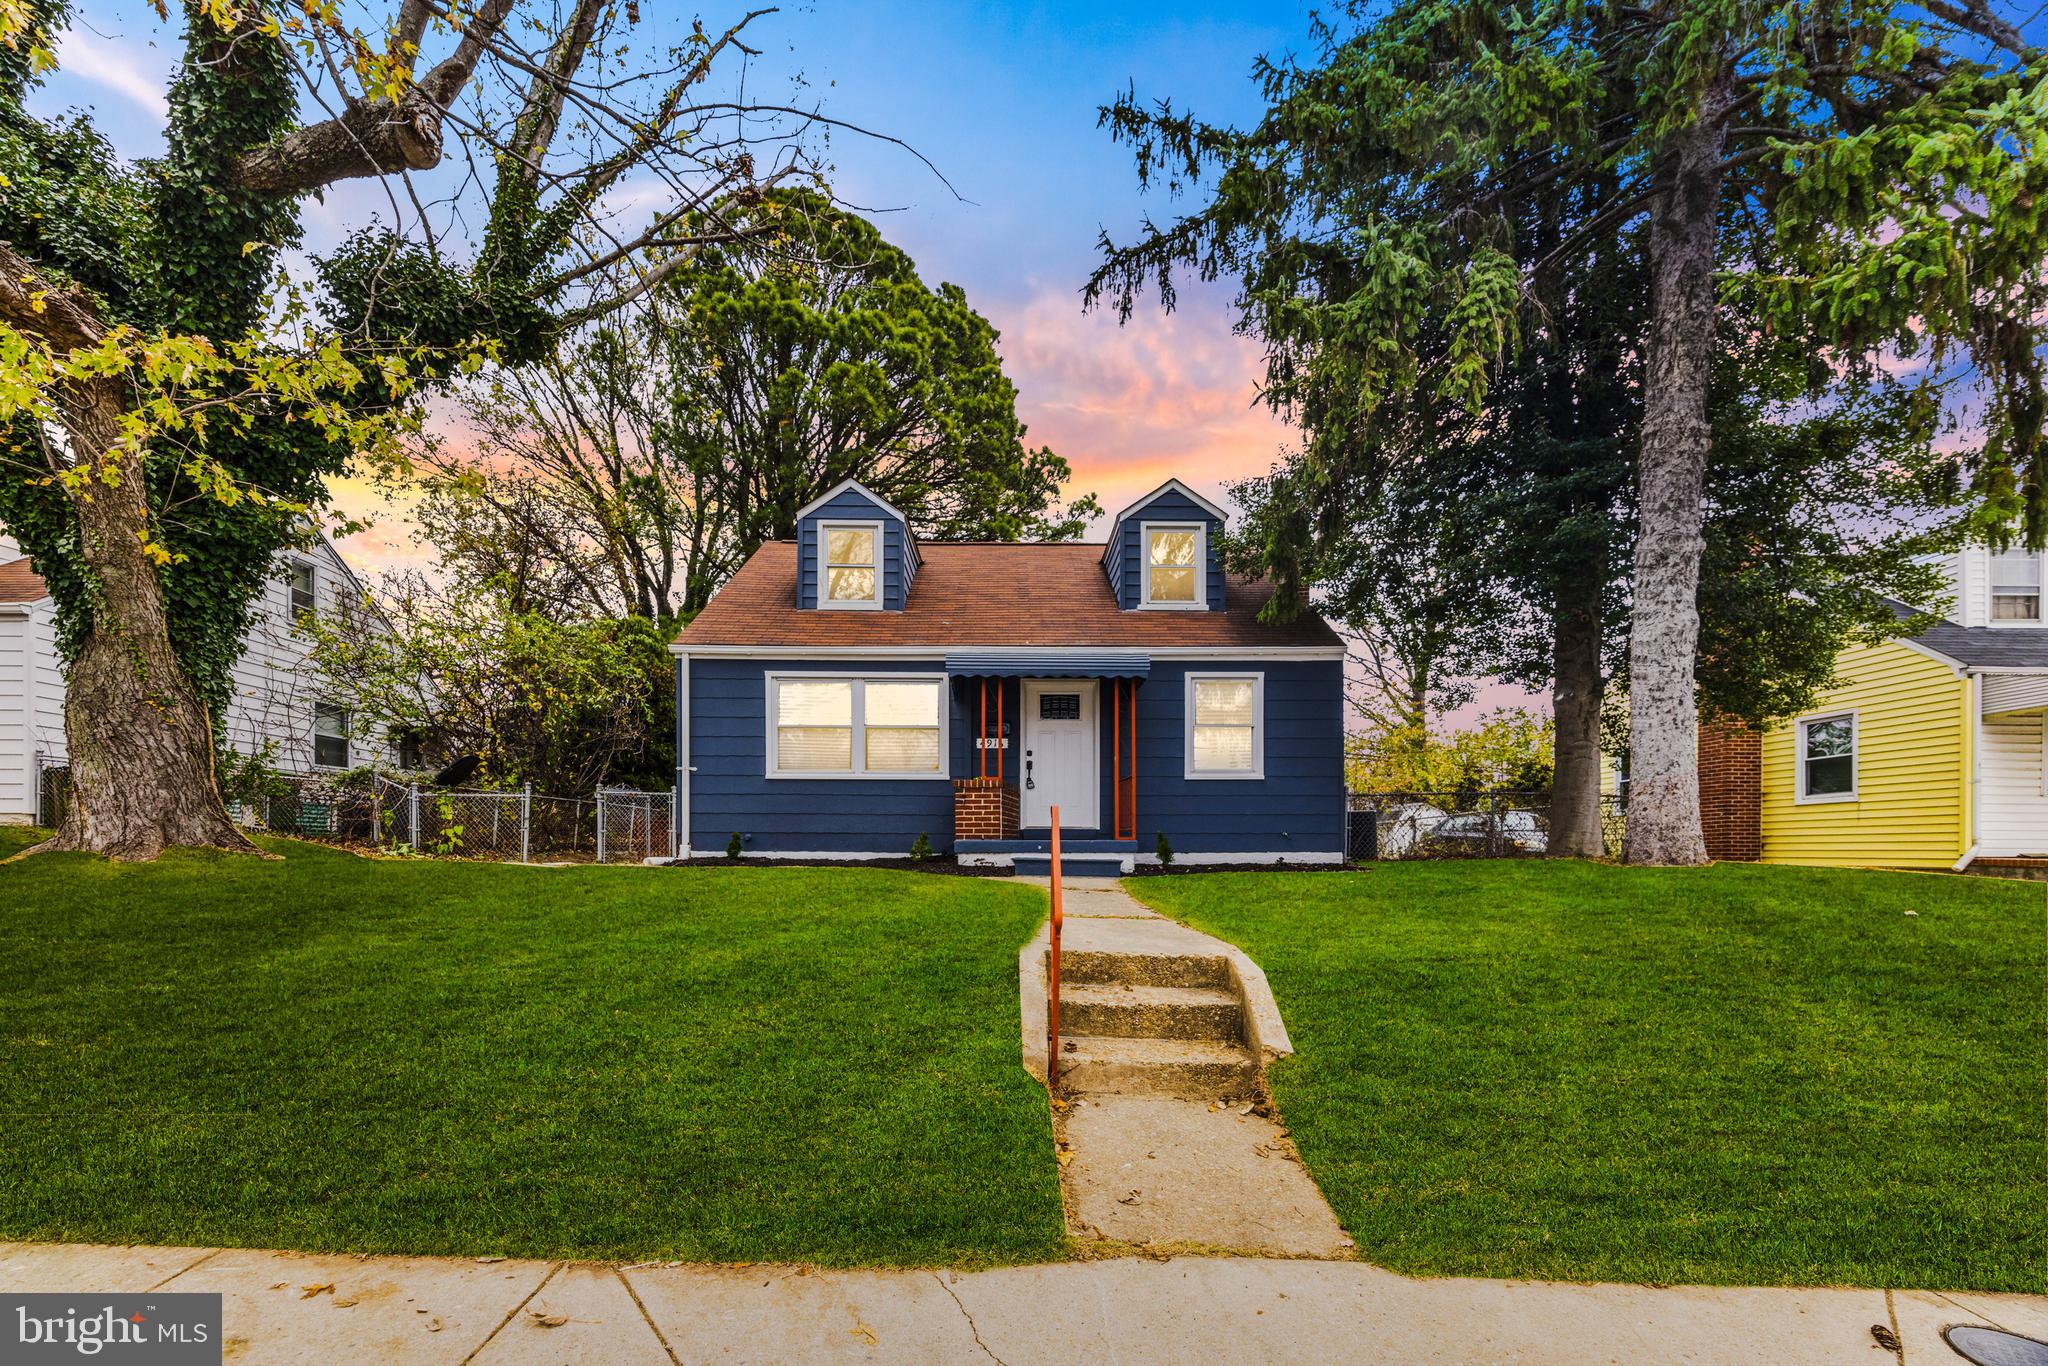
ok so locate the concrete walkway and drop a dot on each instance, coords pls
(289, 1307)
(1193, 1171)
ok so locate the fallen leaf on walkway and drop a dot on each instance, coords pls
(1885, 1337)
(863, 1332)
(1212, 1107)
(280, 1285)
(488, 1260)
(547, 1320)
(348, 1303)
(433, 1325)
(1065, 1158)
(307, 1292)
(1130, 1199)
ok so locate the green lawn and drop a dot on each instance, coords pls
(1726, 1075)
(326, 1052)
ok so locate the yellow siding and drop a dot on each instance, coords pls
(1913, 737)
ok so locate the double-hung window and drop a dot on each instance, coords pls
(1176, 560)
(2016, 585)
(302, 599)
(330, 735)
(850, 564)
(1226, 720)
(1827, 758)
(846, 727)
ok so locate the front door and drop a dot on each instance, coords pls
(1060, 753)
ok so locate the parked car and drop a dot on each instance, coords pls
(1514, 831)
(1404, 829)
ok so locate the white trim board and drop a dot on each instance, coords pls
(937, 653)
(863, 490)
(1172, 486)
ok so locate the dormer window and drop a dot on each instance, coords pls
(2016, 585)
(1176, 558)
(852, 564)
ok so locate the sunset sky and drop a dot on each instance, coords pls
(1002, 99)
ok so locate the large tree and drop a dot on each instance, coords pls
(637, 468)
(1893, 153)
(170, 420)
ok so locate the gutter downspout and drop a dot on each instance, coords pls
(680, 817)
(1973, 791)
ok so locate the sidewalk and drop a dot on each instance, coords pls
(290, 1307)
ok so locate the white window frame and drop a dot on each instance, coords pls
(291, 608)
(825, 600)
(2033, 623)
(1801, 797)
(1201, 599)
(347, 742)
(1257, 772)
(773, 680)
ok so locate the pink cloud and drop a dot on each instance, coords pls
(1162, 396)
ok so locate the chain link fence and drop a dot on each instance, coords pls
(634, 826)
(1412, 825)
(371, 810)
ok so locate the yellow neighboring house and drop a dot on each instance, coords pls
(1931, 752)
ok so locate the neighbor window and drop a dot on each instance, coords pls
(1827, 758)
(827, 727)
(853, 572)
(330, 735)
(1226, 726)
(1174, 564)
(2016, 585)
(302, 590)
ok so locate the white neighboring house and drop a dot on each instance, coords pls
(276, 702)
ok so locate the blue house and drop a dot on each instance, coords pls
(854, 689)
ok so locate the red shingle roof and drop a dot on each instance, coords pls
(20, 583)
(988, 595)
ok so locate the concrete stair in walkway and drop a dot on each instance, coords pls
(1139, 1021)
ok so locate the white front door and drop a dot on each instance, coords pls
(1060, 753)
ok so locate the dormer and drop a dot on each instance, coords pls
(854, 552)
(1165, 552)
(2004, 588)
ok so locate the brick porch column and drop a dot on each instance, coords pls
(985, 809)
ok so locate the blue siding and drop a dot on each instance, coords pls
(1297, 807)
(898, 568)
(1126, 567)
(729, 789)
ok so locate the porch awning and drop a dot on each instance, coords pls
(1049, 664)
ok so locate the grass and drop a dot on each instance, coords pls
(1726, 1075)
(325, 1052)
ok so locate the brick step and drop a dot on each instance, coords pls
(1197, 1069)
(1120, 1010)
(1082, 967)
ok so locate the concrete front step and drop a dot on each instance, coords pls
(1082, 967)
(1123, 1011)
(1198, 1069)
(1071, 865)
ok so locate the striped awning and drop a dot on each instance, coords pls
(1049, 664)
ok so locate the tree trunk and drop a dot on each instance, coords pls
(1663, 790)
(141, 743)
(1575, 826)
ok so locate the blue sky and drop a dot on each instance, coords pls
(1002, 99)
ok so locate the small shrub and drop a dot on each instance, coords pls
(1165, 847)
(733, 845)
(921, 850)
